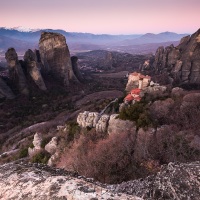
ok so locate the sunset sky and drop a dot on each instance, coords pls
(103, 16)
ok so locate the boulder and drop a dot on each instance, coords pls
(32, 69)
(102, 124)
(55, 57)
(118, 126)
(92, 119)
(37, 141)
(81, 119)
(16, 73)
(53, 159)
(52, 146)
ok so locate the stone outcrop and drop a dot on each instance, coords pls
(118, 126)
(174, 181)
(88, 119)
(51, 147)
(5, 91)
(55, 57)
(105, 123)
(37, 141)
(53, 159)
(93, 120)
(183, 61)
(102, 124)
(32, 68)
(16, 73)
(35, 181)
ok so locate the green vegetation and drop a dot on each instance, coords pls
(72, 130)
(45, 141)
(23, 153)
(41, 157)
(137, 112)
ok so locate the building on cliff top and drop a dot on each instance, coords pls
(133, 96)
(137, 80)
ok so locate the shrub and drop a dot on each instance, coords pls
(73, 129)
(137, 112)
(23, 153)
(45, 141)
(109, 160)
(41, 157)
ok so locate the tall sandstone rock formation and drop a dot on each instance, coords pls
(55, 57)
(32, 68)
(16, 73)
(183, 61)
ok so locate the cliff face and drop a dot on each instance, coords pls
(55, 56)
(183, 61)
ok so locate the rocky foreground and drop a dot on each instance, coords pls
(36, 181)
(39, 182)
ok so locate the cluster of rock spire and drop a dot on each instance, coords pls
(53, 58)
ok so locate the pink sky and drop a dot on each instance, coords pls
(103, 16)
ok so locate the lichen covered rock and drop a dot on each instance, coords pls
(36, 181)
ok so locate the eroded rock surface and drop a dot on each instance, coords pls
(35, 181)
(37, 141)
(51, 147)
(175, 181)
(102, 124)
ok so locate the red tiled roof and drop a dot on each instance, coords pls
(136, 91)
(134, 74)
(129, 98)
(142, 76)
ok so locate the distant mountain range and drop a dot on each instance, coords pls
(22, 39)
